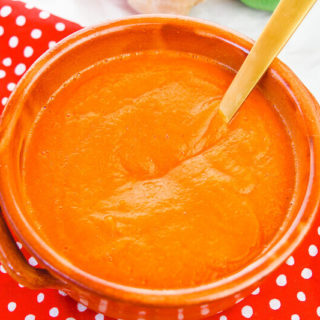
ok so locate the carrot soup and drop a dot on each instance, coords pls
(130, 174)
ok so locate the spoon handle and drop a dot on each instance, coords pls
(282, 24)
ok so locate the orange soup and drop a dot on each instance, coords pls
(130, 174)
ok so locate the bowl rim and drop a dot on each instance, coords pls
(69, 273)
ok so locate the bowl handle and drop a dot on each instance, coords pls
(17, 266)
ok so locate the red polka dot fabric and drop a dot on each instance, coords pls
(292, 292)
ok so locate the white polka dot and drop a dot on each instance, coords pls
(54, 312)
(290, 261)
(81, 307)
(28, 51)
(2, 74)
(11, 86)
(281, 280)
(301, 296)
(2, 269)
(319, 231)
(20, 21)
(180, 314)
(5, 11)
(255, 292)
(20, 285)
(13, 42)
(274, 304)
(7, 62)
(70, 318)
(99, 316)
(223, 318)
(30, 317)
(313, 250)
(318, 311)
(1, 31)
(32, 261)
(204, 310)
(306, 273)
(36, 34)
(295, 317)
(12, 306)
(60, 26)
(4, 102)
(20, 69)
(44, 14)
(40, 297)
(247, 312)
(52, 44)
(62, 293)
(19, 245)
(29, 6)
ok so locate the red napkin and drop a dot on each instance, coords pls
(292, 292)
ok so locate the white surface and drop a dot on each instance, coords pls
(302, 53)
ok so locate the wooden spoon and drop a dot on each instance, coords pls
(282, 24)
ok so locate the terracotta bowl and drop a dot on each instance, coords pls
(293, 101)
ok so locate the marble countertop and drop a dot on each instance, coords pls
(302, 53)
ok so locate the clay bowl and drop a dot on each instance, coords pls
(84, 48)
